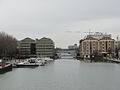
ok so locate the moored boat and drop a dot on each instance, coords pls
(32, 62)
(5, 67)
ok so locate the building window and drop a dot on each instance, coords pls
(33, 48)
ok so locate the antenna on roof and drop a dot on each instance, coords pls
(117, 38)
(89, 31)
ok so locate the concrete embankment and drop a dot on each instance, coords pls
(105, 60)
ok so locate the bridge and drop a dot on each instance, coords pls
(66, 53)
(66, 56)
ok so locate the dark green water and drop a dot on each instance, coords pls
(63, 75)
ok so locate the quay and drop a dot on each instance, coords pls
(113, 60)
(10, 64)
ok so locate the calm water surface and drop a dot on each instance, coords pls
(63, 75)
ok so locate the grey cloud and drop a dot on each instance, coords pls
(55, 16)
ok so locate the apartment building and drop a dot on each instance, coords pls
(91, 46)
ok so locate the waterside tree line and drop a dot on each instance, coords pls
(8, 46)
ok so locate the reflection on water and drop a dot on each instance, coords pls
(63, 75)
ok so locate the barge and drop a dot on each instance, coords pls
(5, 67)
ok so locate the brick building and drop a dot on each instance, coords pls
(91, 46)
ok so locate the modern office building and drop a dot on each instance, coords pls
(44, 47)
(73, 46)
(27, 47)
(36, 48)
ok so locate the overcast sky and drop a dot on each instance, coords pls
(64, 21)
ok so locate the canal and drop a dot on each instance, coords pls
(63, 74)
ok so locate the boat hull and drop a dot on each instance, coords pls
(26, 65)
(6, 69)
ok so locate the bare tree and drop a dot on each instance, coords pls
(8, 45)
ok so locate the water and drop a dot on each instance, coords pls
(63, 75)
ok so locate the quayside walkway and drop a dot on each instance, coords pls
(113, 60)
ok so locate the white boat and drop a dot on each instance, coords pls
(33, 62)
(48, 59)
